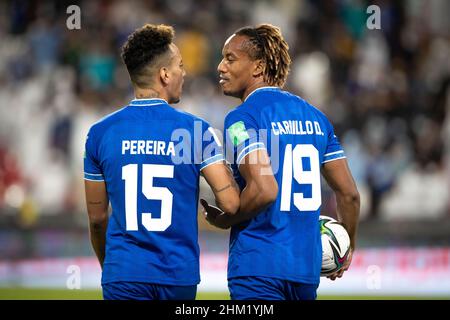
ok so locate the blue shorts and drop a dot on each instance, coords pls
(147, 291)
(264, 288)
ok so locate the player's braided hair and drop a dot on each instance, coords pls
(267, 43)
(143, 48)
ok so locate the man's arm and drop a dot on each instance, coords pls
(340, 179)
(225, 189)
(97, 206)
(261, 190)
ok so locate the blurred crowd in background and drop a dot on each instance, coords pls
(386, 91)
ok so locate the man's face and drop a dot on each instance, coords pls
(236, 68)
(176, 72)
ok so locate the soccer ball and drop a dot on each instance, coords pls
(335, 245)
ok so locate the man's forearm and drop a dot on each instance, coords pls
(252, 203)
(348, 213)
(98, 239)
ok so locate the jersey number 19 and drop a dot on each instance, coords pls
(293, 168)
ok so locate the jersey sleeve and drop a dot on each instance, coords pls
(334, 150)
(241, 137)
(92, 168)
(209, 150)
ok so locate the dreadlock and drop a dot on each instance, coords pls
(267, 43)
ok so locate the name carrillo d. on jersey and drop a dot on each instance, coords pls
(296, 127)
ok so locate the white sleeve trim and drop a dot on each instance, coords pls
(256, 149)
(94, 180)
(259, 144)
(343, 157)
(331, 153)
(218, 160)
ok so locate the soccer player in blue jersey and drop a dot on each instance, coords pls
(278, 145)
(146, 160)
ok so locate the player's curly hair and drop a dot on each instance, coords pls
(143, 48)
(267, 43)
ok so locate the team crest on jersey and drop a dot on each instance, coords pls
(238, 133)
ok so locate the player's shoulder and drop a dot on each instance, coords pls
(245, 109)
(312, 109)
(266, 96)
(186, 118)
(234, 112)
(239, 113)
(108, 120)
(186, 115)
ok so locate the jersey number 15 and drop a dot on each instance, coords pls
(149, 171)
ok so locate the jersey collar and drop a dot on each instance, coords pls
(258, 89)
(147, 102)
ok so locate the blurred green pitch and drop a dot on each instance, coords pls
(65, 294)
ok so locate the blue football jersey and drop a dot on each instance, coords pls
(150, 157)
(284, 240)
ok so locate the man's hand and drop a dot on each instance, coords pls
(348, 261)
(214, 215)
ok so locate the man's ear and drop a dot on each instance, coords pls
(259, 68)
(164, 75)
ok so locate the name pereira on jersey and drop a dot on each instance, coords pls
(149, 147)
(296, 127)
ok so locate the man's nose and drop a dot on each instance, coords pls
(220, 67)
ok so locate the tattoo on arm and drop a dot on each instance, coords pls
(232, 183)
(223, 189)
